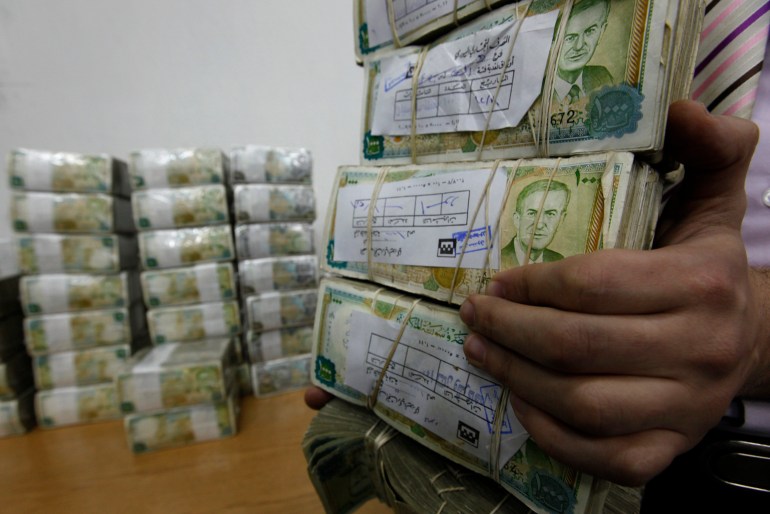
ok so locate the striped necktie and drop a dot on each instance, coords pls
(730, 55)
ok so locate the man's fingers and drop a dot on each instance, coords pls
(315, 397)
(631, 459)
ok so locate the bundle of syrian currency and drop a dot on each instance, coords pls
(15, 374)
(50, 333)
(180, 207)
(258, 240)
(56, 293)
(66, 172)
(413, 22)
(441, 230)
(181, 247)
(175, 374)
(279, 309)
(17, 415)
(280, 273)
(428, 390)
(80, 367)
(257, 164)
(180, 426)
(69, 253)
(200, 283)
(261, 203)
(65, 406)
(352, 457)
(154, 168)
(278, 343)
(83, 213)
(9, 265)
(547, 77)
(194, 322)
(281, 375)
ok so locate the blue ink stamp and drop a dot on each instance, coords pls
(477, 240)
(614, 111)
(490, 394)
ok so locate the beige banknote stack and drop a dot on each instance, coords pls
(179, 393)
(274, 205)
(76, 248)
(526, 134)
(17, 387)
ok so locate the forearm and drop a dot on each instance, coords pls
(758, 384)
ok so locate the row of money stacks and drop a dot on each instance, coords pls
(17, 386)
(184, 388)
(76, 247)
(274, 206)
(522, 136)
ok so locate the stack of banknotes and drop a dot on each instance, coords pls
(274, 206)
(501, 85)
(401, 356)
(442, 230)
(77, 250)
(17, 387)
(179, 393)
(354, 457)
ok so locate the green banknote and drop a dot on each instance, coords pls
(180, 426)
(76, 253)
(280, 273)
(258, 240)
(258, 164)
(50, 333)
(177, 167)
(66, 172)
(176, 374)
(260, 203)
(80, 367)
(281, 375)
(442, 230)
(180, 207)
(194, 322)
(57, 293)
(531, 79)
(278, 309)
(94, 213)
(64, 406)
(181, 247)
(278, 343)
(404, 359)
(199, 283)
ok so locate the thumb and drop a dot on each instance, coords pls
(716, 152)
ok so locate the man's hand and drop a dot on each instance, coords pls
(620, 360)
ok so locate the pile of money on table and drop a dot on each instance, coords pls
(274, 206)
(503, 134)
(79, 291)
(17, 386)
(182, 207)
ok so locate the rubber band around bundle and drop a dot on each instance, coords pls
(370, 216)
(374, 443)
(371, 401)
(500, 78)
(469, 229)
(392, 22)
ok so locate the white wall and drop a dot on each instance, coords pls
(120, 75)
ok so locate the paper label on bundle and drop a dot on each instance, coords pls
(7, 419)
(430, 382)
(458, 82)
(422, 221)
(58, 332)
(62, 367)
(41, 215)
(270, 345)
(207, 281)
(205, 424)
(38, 173)
(214, 321)
(408, 15)
(56, 295)
(153, 361)
(62, 408)
(48, 253)
(147, 393)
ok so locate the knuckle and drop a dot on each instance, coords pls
(594, 414)
(571, 345)
(714, 287)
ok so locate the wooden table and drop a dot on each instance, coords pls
(89, 468)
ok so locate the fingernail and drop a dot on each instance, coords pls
(467, 313)
(495, 288)
(475, 350)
